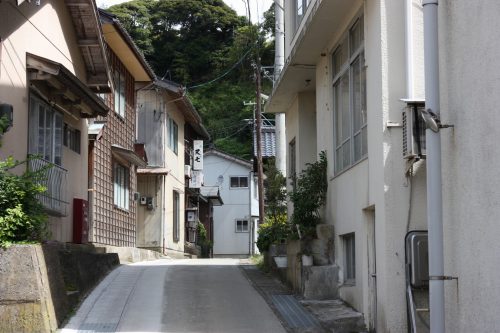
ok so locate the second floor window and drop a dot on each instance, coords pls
(120, 91)
(173, 134)
(45, 131)
(239, 182)
(349, 98)
(72, 138)
(121, 186)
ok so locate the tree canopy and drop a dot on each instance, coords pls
(205, 46)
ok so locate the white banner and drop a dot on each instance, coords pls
(198, 155)
(196, 180)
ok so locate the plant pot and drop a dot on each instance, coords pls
(281, 261)
(307, 260)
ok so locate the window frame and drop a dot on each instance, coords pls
(120, 93)
(38, 142)
(350, 117)
(349, 258)
(173, 136)
(239, 182)
(176, 216)
(121, 186)
(72, 138)
(241, 224)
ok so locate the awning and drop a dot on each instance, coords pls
(153, 171)
(61, 87)
(212, 193)
(128, 155)
(95, 131)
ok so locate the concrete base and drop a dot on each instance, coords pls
(320, 282)
(130, 254)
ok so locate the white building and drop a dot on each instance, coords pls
(236, 222)
(348, 66)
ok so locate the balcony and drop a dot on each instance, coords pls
(55, 180)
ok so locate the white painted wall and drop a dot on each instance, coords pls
(227, 241)
(377, 182)
(469, 75)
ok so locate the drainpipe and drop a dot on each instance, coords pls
(279, 61)
(409, 49)
(434, 190)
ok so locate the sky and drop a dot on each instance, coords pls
(257, 7)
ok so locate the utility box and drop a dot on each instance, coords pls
(80, 221)
(417, 257)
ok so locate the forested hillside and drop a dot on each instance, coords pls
(205, 46)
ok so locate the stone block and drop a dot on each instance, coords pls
(320, 282)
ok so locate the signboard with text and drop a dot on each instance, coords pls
(196, 180)
(198, 155)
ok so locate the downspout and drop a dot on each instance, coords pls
(434, 190)
(279, 61)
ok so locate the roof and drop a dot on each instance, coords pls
(268, 141)
(50, 78)
(191, 116)
(90, 41)
(232, 158)
(124, 47)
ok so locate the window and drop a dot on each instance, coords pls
(176, 222)
(173, 134)
(349, 245)
(292, 162)
(241, 226)
(45, 131)
(300, 10)
(72, 138)
(349, 95)
(119, 105)
(241, 182)
(121, 186)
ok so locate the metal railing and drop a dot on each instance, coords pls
(55, 179)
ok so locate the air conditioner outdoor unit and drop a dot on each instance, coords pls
(187, 170)
(413, 131)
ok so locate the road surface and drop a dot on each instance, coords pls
(193, 295)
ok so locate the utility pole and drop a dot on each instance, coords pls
(258, 111)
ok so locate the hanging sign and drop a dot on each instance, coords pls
(196, 180)
(198, 155)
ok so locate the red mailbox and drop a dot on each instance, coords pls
(80, 221)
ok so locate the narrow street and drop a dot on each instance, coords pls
(207, 295)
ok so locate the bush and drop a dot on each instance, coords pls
(202, 241)
(309, 195)
(22, 216)
(274, 231)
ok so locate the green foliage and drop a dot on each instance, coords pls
(203, 241)
(275, 185)
(22, 217)
(275, 230)
(309, 195)
(206, 46)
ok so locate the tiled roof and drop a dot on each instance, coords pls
(268, 140)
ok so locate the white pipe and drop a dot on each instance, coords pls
(279, 61)
(409, 49)
(434, 189)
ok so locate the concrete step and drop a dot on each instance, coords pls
(336, 316)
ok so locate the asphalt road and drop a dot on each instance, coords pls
(196, 295)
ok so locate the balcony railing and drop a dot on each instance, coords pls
(55, 180)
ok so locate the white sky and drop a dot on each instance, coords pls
(257, 7)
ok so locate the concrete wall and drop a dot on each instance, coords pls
(149, 228)
(469, 100)
(236, 205)
(58, 43)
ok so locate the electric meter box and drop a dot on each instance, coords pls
(417, 257)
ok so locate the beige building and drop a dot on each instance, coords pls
(52, 62)
(167, 125)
